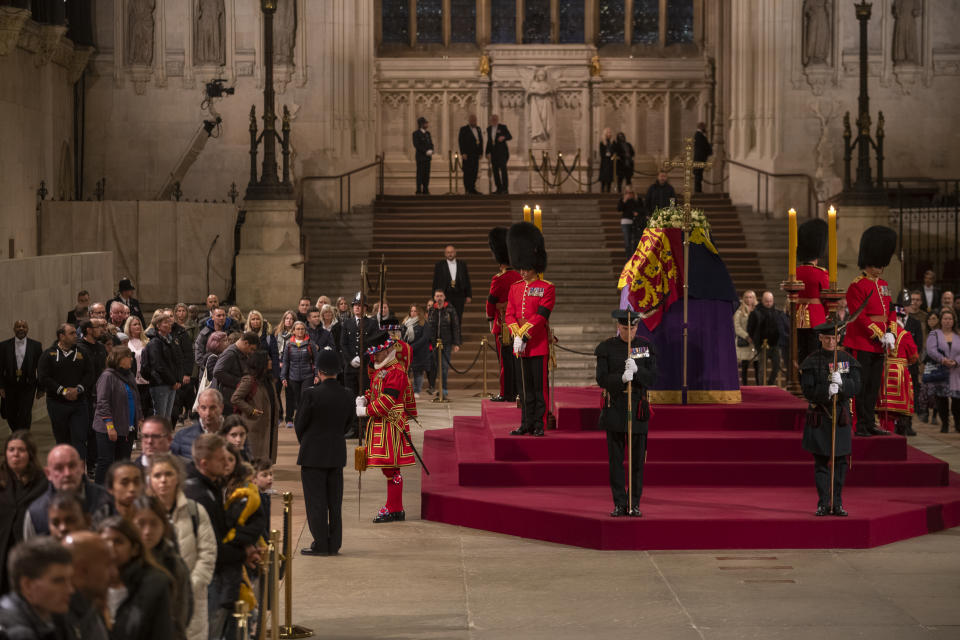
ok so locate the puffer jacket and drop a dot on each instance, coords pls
(300, 360)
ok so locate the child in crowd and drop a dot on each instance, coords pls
(125, 483)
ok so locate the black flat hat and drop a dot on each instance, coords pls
(625, 316)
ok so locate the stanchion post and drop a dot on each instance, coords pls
(289, 630)
(456, 173)
(273, 549)
(449, 172)
(441, 396)
(483, 350)
(241, 611)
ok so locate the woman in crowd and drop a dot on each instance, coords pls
(137, 340)
(216, 343)
(927, 401)
(624, 161)
(746, 353)
(607, 150)
(194, 533)
(21, 482)
(239, 322)
(150, 518)
(943, 348)
(256, 401)
(235, 432)
(343, 309)
(268, 342)
(124, 482)
(416, 332)
(330, 322)
(118, 411)
(299, 368)
(139, 601)
(384, 317)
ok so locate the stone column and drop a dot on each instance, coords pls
(269, 265)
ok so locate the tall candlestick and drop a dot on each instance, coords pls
(526, 213)
(537, 219)
(792, 244)
(832, 245)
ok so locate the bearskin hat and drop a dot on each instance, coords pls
(526, 248)
(877, 245)
(811, 240)
(498, 245)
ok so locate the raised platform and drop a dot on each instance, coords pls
(717, 477)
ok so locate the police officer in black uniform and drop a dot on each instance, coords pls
(354, 372)
(618, 366)
(821, 383)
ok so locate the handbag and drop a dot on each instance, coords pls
(742, 342)
(934, 373)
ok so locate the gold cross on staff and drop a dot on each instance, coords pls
(688, 165)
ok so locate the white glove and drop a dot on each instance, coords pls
(361, 412)
(627, 376)
(888, 340)
(835, 378)
(519, 345)
(429, 152)
(361, 401)
(631, 365)
(355, 363)
(834, 389)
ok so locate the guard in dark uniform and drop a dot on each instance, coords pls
(327, 412)
(496, 307)
(125, 291)
(423, 145)
(355, 376)
(615, 370)
(820, 383)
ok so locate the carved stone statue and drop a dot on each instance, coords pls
(209, 35)
(284, 31)
(595, 69)
(485, 65)
(140, 32)
(816, 31)
(905, 46)
(540, 95)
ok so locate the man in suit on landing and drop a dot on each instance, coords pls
(424, 146)
(452, 277)
(327, 411)
(497, 152)
(471, 148)
(18, 376)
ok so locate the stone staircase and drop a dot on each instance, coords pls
(333, 249)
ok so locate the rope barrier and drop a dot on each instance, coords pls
(579, 353)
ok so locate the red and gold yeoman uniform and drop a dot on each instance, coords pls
(896, 394)
(387, 410)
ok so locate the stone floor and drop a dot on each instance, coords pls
(426, 580)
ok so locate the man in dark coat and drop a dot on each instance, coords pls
(497, 152)
(326, 414)
(40, 572)
(165, 369)
(93, 331)
(451, 276)
(702, 149)
(823, 384)
(763, 325)
(19, 357)
(125, 291)
(445, 325)
(232, 365)
(64, 471)
(218, 321)
(67, 377)
(354, 375)
(660, 194)
(617, 367)
(470, 141)
(424, 154)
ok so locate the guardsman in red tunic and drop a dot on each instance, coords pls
(500, 285)
(384, 405)
(811, 243)
(896, 396)
(872, 331)
(529, 304)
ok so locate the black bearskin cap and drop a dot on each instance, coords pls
(498, 245)
(811, 240)
(526, 248)
(877, 245)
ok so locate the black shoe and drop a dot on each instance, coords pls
(924, 417)
(877, 431)
(619, 511)
(538, 432)
(399, 516)
(909, 431)
(838, 511)
(310, 551)
(520, 431)
(862, 434)
(944, 429)
(498, 399)
(822, 510)
(350, 434)
(635, 512)
(426, 193)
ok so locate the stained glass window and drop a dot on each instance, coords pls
(646, 21)
(503, 21)
(536, 22)
(395, 18)
(463, 21)
(610, 26)
(429, 21)
(679, 21)
(571, 21)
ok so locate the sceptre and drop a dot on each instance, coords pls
(629, 417)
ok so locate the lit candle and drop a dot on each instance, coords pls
(832, 245)
(526, 213)
(537, 219)
(792, 244)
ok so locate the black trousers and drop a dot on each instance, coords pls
(18, 405)
(616, 450)
(471, 166)
(745, 369)
(357, 382)
(508, 370)
(294, 389)
(500, 174)
(423, 175)
(457, 301)
(91, 438)
(821, 467)
(773, 363)
(871, 376)
(323, 499)
(944, 407)
(69, 421)
(109, 452)
(533, 379)
(698, 180)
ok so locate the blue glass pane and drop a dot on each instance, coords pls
(503, 21)
(571, 21)
(679, 21)
(395, 18)
(646, 21)
(463, 21)
(536, 22)
(610, 28)
(429, 21)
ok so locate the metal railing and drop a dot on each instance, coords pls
(927, 220)
(763, 187)
(378, 162)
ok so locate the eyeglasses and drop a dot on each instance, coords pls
(151, 436)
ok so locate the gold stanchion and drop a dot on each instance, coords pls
(273, 553)
(449, 172)
(441, 396)
(556, 173)
(241, 611)
(763, 363)
(456, 173)
(289, 630)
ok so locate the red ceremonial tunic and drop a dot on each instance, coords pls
(500, 285)
(810, 311)
(896, 394)
(528, 312)
(387, 411)
(878, 317)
